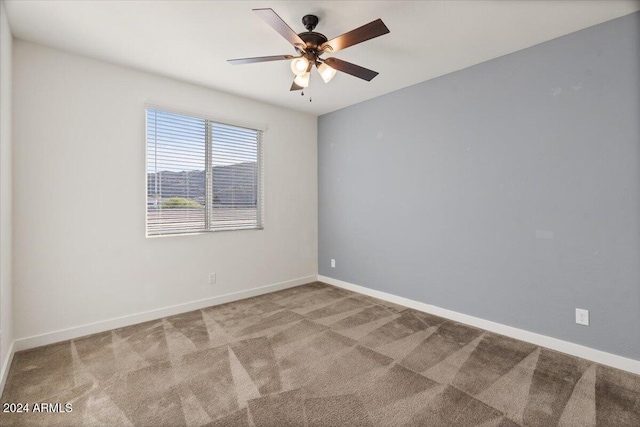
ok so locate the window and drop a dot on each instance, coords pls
(201, 175)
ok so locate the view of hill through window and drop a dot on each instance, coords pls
(181, 195)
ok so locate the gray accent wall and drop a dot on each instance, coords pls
(508, 191)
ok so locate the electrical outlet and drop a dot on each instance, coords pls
(212, 278)
(582, 316)
(333, 263)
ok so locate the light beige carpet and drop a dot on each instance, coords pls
(310, 356)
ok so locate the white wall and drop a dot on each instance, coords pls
(80, 252)
(5, 191)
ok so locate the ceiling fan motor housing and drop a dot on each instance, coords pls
(313, 41)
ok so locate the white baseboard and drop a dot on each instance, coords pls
(5, 366)
(119, 322)
(573, 349)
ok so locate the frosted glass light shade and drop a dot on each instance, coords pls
(303, 80)
(299, 65)
(326, 72)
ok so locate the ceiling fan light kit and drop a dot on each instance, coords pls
(311, 45)
(299, 65)
(302, 80)
(326, 72)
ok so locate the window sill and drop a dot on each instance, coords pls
(201, 232)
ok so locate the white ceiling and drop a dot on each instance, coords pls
(191, 40)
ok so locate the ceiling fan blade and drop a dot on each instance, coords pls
(272, 18)
(349, 68)
(359, 35)
(259, 59)
(295, 86)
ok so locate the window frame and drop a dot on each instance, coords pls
(261, 128)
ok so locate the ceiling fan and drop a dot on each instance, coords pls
(311, 45)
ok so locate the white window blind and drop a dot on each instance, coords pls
(201, 175)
